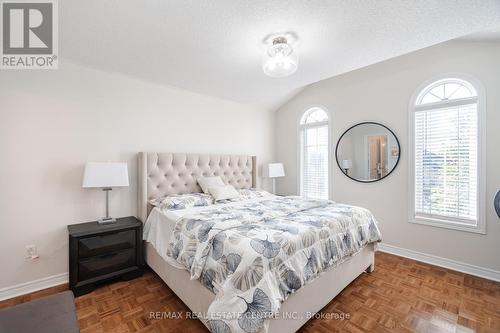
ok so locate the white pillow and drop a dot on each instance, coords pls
(206, 182)
(182, 201)
(223, 192)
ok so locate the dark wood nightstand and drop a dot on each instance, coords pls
(101, 252)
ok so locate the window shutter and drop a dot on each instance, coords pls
(314, 153)
(446, 162)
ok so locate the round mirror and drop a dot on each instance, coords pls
(367, 152)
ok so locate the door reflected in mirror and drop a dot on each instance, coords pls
(367, 152)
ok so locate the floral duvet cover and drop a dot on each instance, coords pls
(254, 255)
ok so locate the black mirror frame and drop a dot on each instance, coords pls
(365, 123)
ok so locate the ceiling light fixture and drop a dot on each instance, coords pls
(280, 59)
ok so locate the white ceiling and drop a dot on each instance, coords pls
(214, 47)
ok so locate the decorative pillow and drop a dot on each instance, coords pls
(182, 201)
(223, 192)
(252, 193)
(206, 182)
(247, 193)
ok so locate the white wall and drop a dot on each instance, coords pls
(52, 122)
(381, 93)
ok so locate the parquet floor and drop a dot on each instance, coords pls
(401, 295)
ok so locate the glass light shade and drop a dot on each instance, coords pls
(280, 60)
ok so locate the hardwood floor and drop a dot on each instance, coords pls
(401, 295)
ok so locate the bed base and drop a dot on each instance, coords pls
(310, 299)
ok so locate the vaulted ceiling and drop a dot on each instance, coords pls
(215, 47)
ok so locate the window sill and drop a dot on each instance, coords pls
(446, 224)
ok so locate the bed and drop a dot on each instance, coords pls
(163, 174)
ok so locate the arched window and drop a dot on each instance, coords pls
(446, 156)
(314, 141)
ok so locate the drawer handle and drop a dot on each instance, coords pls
(109, 255)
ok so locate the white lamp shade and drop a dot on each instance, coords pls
(105, 175)
(346, 164)
(275, 170)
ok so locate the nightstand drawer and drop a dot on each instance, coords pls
(101, 244)
(104, 252)
(106, 263)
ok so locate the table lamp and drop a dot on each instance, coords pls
(273, 171)
(105, 176)
(346, 165)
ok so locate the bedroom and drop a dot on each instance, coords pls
(196, 79)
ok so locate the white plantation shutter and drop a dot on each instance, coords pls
(446, 154)
(314, 153)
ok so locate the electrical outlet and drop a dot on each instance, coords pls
(31, 252)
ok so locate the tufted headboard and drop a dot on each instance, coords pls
(161, 174)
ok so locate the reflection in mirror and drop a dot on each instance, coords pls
(367, 152)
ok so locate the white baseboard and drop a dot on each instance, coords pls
(29, 287)
(463, 267)
(490, 274)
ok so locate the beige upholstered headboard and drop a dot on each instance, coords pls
(161, 174)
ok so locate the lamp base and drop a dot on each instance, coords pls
(106, 220)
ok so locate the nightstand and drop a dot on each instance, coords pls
(101, 252)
